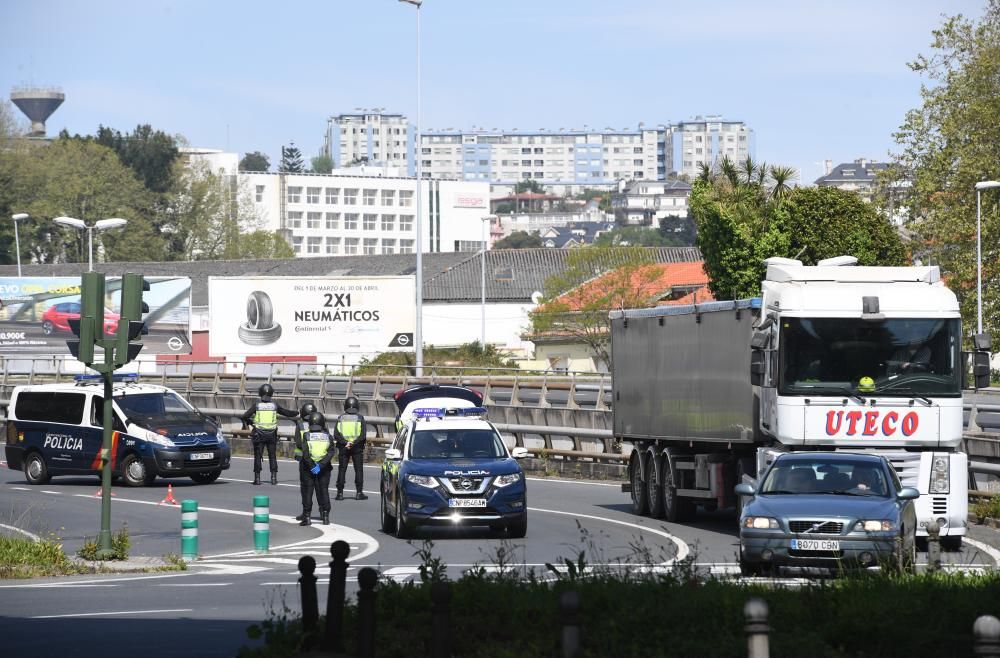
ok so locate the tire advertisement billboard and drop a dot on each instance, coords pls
(291, 316)
(35, 314)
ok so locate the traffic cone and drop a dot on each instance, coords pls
(169, 500)
(100, 490)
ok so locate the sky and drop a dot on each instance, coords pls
(814, 79)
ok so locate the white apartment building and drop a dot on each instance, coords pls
(649, 201)
(706, 140)
(330, 215)
(368, 137)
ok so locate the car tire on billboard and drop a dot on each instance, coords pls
(260, 327)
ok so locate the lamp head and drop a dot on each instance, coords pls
(71, 221)
(987, 184)
(113, 222)
(19, 216)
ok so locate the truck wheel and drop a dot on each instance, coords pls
(952, 543)
(207, 477)
(388, 523)
(35, 470)
(640, 499)
(654, 486)
(135, 473)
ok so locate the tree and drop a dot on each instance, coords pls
(263, 244)
(255, 161)
(149, 153)
(595, 280)
(529, 185)
(470, 357)
(291, 160)
(322, 164)
(948, 144)
(519, 240)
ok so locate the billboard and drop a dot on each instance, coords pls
(34, 314)
(291, 316)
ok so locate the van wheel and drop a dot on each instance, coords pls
(35, 470)
(207, 477)
(135, 473)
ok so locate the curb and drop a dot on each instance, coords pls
(135, 563)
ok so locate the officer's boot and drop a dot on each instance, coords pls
(340, 494)
(274, 478)
(324, 517)
(256, 477)
(305, 518)
(361, 495)
(300, 517)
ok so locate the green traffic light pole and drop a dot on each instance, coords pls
(104, 550)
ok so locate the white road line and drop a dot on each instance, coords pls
(118, 612)
(30, 535)
(49, 491)
(682, 548)
(985, 548)
(20, 488)
(193, 584)
(102, 582)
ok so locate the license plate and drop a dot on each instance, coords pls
(815, 545)
(466, 502)
(201, 455)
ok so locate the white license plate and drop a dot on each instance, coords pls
(201, 455)
(815, 545)
(466, 502)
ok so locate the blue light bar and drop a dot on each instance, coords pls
(120, 377)
(448, 412)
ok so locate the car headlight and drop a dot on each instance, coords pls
(422, 480)
(939, 474)
(159, 439)
(504, 480)
(883, 525)
(220, 437)
(760, 523)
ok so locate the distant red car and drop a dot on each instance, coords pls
(57, 317)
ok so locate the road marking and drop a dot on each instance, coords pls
(54, 493)
(400, 574)
(30, 535)
(222, 569)
(95, 582)
(682, 548)
(118, 612)
(20, 488)
(985, 548)
(193, 584)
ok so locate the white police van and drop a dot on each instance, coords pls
(57, 429)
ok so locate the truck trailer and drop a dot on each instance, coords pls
(831, 357)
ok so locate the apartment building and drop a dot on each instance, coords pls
(333, 215)
(705, 140)
(648, 201)
(368, 137)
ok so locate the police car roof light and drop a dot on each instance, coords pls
(119, 377)
(446, 412)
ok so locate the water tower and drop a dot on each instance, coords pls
(38, 104)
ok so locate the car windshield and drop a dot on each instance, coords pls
(155, 408)
(833, 476)
(456, 444)
(895, 357)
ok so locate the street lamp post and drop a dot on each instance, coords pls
(980, 186)
(17, 239)
(100, 225)
(486, 221)
(418, 335)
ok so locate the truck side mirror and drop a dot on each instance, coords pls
(982, 342)
(981, 369)
(757, 367)
(759, 340)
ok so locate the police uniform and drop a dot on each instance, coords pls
(263, 415)
(349, 432)
(317, 450)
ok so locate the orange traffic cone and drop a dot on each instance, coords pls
(169, 500)
(97, 494)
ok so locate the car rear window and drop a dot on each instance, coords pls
(50, 407)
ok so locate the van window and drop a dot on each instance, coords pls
(146, 408)
(50, 406)
(97, 415)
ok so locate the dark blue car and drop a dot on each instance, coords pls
(449, 466)
(827, 510)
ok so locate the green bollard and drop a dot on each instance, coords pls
(261, 524)
(189, 529)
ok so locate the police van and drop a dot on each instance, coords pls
(58, 429)
(449, 466)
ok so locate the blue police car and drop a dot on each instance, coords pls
(449, 466)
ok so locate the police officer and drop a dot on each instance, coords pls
(350, 432)
(315, 468)
(263, 415)
(301, 430)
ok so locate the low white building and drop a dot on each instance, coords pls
(334, 215)
(649, 201)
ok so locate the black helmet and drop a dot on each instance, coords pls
(265, 390)
(351, 404)
(316, 418)
(306, 409)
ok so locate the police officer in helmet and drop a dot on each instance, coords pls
(350, 432)
(315, 468)
(301, 430)
(263, 416)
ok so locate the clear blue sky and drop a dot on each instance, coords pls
(814, 79)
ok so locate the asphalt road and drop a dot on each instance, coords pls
(205, 610)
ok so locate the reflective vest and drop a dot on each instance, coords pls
(266, 416)
(318, 444)
(300, 439)
(349, 427)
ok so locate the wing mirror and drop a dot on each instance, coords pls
(908, 493)
(393, 454)
(519, 452)
(744, 489)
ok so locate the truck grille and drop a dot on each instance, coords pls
(827, 527)
(939, 505)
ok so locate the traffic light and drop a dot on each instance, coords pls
(89, 327)
(130, 323)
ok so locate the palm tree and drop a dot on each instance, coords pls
(705, 174)
(780, 179)
(729, 171)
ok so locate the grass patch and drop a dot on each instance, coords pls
(25, 558)
(120, 545)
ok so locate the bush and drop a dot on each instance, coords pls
(24, 558)
(987, 508)
(120, 545)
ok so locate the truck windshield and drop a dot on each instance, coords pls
(896, 357)
(456, 444)
(155, 408)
